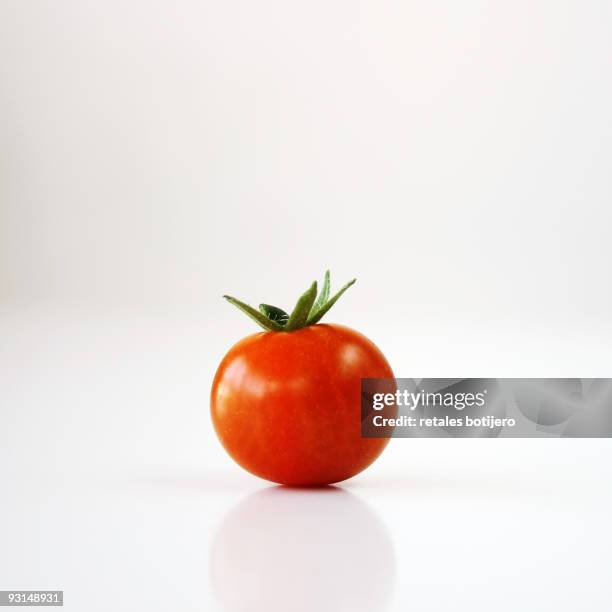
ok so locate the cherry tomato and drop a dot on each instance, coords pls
(286, 405)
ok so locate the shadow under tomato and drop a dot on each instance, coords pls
(299, 550)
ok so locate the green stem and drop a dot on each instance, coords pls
(308, 310)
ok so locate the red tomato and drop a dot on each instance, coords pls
(287, 404)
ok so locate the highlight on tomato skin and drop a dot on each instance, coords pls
(286, 402)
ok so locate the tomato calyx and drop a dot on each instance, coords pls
(308, 310)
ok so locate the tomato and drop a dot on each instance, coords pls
(287, 405)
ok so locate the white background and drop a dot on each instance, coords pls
(455, 157)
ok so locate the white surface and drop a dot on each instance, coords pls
(455, 157)
(116, 490)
